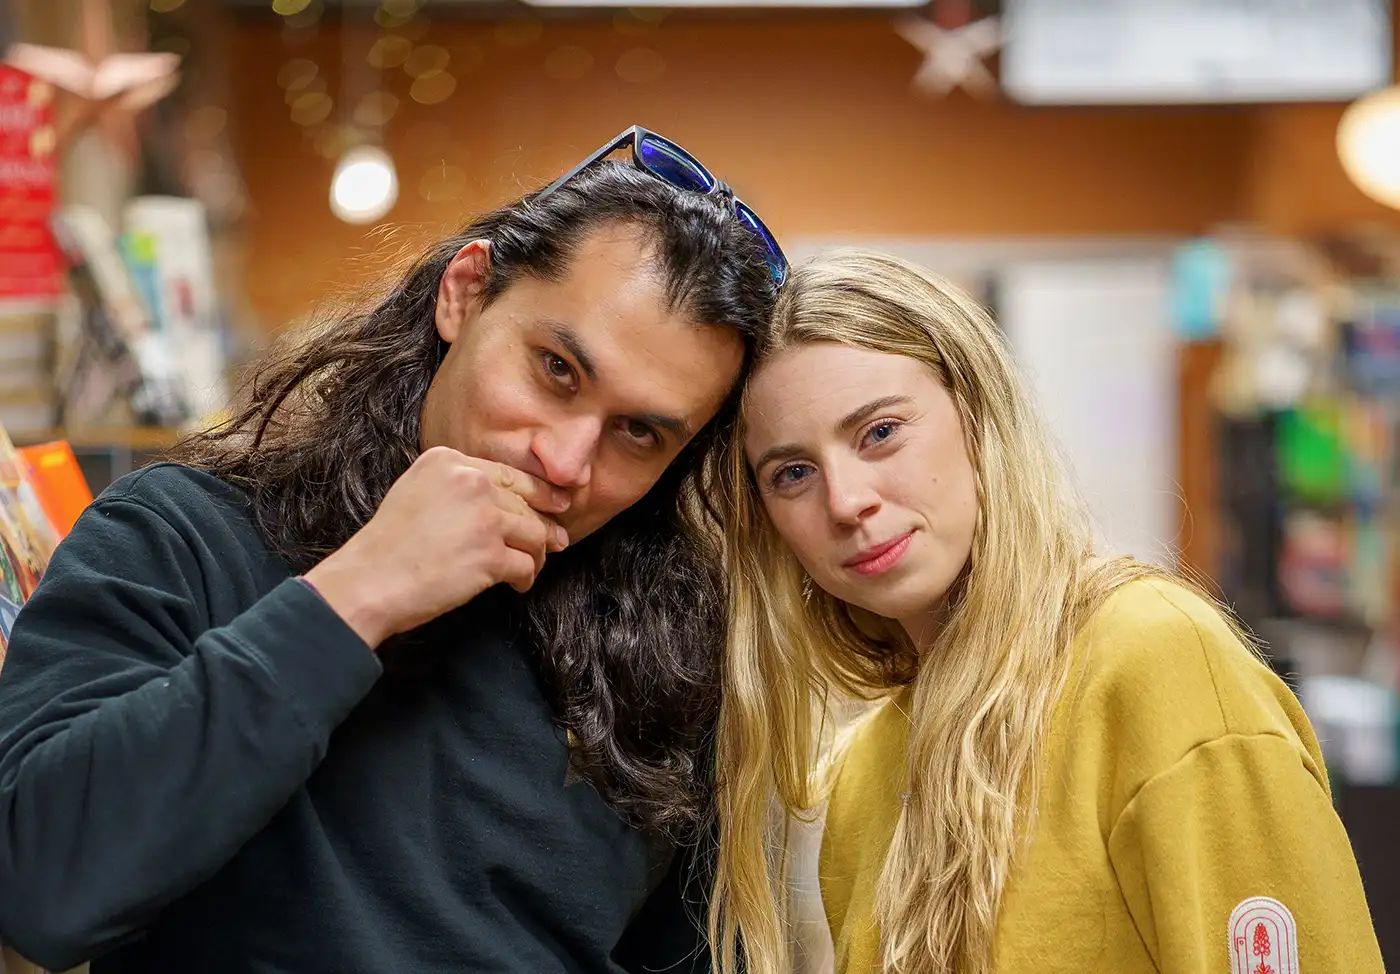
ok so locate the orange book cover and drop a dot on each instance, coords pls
(59, 483)
(27, 534)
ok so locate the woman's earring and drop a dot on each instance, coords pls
(806, 587)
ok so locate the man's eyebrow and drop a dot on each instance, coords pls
(571, 343)
(674, 425)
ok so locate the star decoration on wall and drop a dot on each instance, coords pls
(954, 48)
(103, 86)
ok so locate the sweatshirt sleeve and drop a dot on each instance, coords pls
(668, 933)
(1233, 859)
(139, 747)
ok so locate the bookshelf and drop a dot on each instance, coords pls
(105, 454)
(146, 439)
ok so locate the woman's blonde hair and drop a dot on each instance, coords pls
(981, 704)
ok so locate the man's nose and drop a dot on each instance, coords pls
(566, 451)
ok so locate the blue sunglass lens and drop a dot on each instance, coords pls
(674, 164)
(773, 254)
(670, 162)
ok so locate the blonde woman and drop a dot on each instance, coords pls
(1080, 765)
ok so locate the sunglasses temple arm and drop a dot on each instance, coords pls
(626, 138)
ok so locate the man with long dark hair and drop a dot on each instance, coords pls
(412, 665)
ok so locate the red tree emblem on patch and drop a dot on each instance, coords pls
(1262, 949)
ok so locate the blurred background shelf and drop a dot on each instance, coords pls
(107, 454)
(142, 439)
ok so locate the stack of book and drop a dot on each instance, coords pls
(31, 270)
(28, 395)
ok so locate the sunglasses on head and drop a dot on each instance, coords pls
(669, 162)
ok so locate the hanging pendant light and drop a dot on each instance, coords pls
(365, 185)
(1368, 144)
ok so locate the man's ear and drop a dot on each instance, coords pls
(459, 291)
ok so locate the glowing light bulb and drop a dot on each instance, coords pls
(365, 185)
(1368, 143)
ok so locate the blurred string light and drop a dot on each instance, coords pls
(305, 86)
(390, 51)
(426, 61)
(312, 107)
(330, 140)
(303, 19)
(205, 165)
(296, 73)
(427, 66)
(414, 30)
(1368, 144)
(365, 184)
(396, 13)
(309, 101)
(376, 109)
(305, 92)
(433, 89)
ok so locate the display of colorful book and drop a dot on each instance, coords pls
(42, 492)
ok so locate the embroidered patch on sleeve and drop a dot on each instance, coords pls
(1263, 938)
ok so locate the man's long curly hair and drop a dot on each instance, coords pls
(630, 622)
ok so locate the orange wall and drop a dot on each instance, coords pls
(810, 117)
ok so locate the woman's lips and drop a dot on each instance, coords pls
(881, 558)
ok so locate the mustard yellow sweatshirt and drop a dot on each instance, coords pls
(1184, 822)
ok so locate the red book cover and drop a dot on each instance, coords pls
(30, 266)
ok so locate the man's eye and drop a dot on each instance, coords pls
(641, 432)
(558, 369)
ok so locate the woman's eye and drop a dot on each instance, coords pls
(882, 431)
(792, 474)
